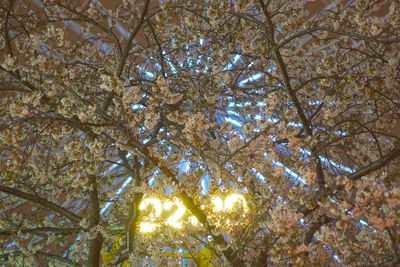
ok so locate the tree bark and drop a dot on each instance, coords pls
(94, 220)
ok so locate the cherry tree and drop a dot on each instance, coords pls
(266, 128)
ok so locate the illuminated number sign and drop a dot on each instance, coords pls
(174, 213)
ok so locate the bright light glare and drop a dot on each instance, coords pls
(146, 227)
(193, 220)
(231, 199)
(156, 212)
(218, 204)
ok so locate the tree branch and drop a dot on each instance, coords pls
(110, 94)
(63, 231)
(292, 93)
(75, 219)
(314, 228)
(134, 211)
(394, 153)
(95, 23)
(40, 254)
(56, 258)
(13, 88)
(131, 37)
(376, 164)
(94, 220)
(323, 28)
(282, 67)
(7, 36)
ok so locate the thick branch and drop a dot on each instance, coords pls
(134, 213)
(314, 228)
(377, 164)
(63, 231)
(394, 153)
(75, 219)
(94, 219)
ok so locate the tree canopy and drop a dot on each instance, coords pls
(234, 133)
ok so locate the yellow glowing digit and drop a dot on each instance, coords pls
(168, 205)
(231, 199)
(173, 220)
(218, 204)
(157, 209)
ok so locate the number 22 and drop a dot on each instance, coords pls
(173, 220)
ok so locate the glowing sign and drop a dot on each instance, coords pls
(174, 213)
(229, 202)
(174, 219)
(157, 209)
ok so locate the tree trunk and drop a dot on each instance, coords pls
(94, 219)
